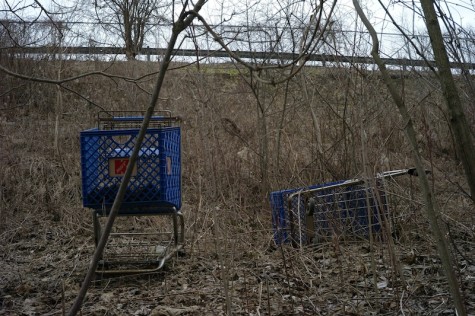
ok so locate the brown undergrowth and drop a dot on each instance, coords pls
(231, 263)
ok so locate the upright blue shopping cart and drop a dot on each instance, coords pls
(154, 188)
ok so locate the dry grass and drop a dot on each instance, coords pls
(231, 263)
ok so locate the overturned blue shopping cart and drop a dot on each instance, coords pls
(139, 243)
(356, 208)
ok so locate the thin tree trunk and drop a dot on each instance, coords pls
(458, 122)
(182, 23)
(432, 208)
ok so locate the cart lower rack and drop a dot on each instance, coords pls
(144, 248)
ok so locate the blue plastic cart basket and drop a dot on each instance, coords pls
(344, 208)
(154, 188)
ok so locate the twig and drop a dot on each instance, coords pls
(260, 299)
(400, 304)
(268, 296)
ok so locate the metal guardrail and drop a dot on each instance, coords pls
(149, 51)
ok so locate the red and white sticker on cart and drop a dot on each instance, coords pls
(118, 166)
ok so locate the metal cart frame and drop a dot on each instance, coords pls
(154, 190)
(356, 206)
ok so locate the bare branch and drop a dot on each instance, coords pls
(409, 39)
(81, 76)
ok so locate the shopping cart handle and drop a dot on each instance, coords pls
(401, 172)
(413, 172)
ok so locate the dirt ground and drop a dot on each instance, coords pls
(219, 273)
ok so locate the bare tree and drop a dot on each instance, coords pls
(131, 19)
(458, 121)
(432, 208)
(290, 27)
(463, 140)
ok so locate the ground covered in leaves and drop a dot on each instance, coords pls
(242, 274)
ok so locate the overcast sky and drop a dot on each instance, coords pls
(462, 10)
(268, 12)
